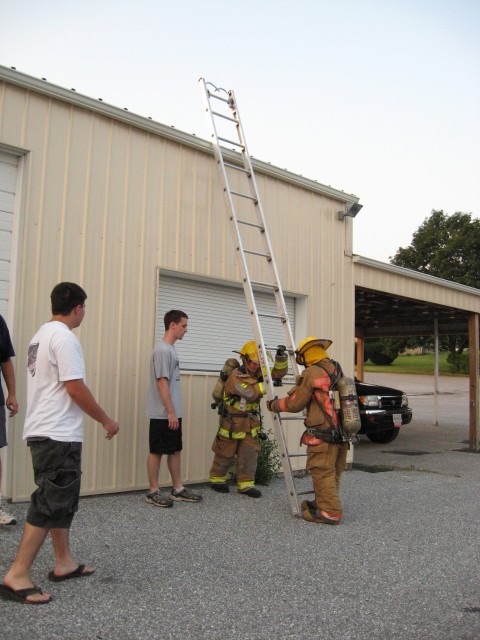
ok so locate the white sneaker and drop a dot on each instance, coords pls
(6, 518)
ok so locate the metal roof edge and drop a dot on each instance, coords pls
(12, 76)
(416, 275)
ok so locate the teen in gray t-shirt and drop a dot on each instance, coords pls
(164, 363)
(164, 408)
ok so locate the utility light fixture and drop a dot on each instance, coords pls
(351, 210)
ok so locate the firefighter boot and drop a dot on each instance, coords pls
(253, 492)
(312, 514)
(308, 504)
(221, 487)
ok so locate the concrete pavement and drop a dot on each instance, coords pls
(402, 566)
(422, 445)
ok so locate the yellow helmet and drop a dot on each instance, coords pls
(249, 351)
(316, 349)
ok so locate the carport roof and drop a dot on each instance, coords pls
(393, 301)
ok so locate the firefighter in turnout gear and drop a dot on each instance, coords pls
(326, 448)
(240, 421)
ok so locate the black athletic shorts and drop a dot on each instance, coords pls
(162, 439)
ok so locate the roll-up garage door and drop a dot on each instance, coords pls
(218, 320)
(8, 181)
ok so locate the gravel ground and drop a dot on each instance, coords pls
(403, 565)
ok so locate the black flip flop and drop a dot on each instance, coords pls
(78, 573)
(21, 595)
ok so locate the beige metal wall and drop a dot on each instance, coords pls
(105, 204)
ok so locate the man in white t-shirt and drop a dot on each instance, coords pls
(57, 398)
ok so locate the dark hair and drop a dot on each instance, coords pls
(175, 315)
(65, 297)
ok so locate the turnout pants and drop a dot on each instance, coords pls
(246, 449)
(326, 462)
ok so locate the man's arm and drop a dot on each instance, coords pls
(9, 376)
(164, 391)
(296, 400)
(82, 396)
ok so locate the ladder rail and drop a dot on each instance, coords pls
(280, 298)
(243, 265)
(235, 229)
(261, 219)
(237, 237)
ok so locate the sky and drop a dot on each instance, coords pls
(379, 98)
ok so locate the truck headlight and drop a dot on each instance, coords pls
(404, 400)
(369, 401)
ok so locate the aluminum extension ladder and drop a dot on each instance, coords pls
(249, 229)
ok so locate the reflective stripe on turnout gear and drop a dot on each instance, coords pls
(217, 479)
(233, 401)
(241, 486)
(322, 395)
(237, 435)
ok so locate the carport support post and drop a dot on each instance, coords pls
(435, 389)
(474, 381)
(360, 355)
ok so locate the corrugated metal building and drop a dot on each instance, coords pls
(133, 211)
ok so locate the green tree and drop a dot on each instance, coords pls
(445, 246)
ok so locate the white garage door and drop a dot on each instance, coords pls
(218, 320)
(8, 181)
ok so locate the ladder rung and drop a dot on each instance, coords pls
(235, 166)
(293, 418)
(297, 455)
(237, 144)
(304, 493)
(244, 195)
(252, 224)
(265, 284)
(221, 115)
(273, 348)
(272, 315)
(212, 95)
(258, 253)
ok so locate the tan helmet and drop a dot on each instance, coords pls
(316, 348)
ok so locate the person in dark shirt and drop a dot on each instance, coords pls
(8, 372)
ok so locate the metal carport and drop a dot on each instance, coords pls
(391, 301)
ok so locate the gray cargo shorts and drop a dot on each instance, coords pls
(57, 473)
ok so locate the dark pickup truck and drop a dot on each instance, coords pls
(382, 410)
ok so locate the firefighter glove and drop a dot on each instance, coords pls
(271, 405)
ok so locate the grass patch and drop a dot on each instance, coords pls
(414, 364)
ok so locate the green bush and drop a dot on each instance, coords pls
(378, 354)
(458, 362)
(269, 462)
